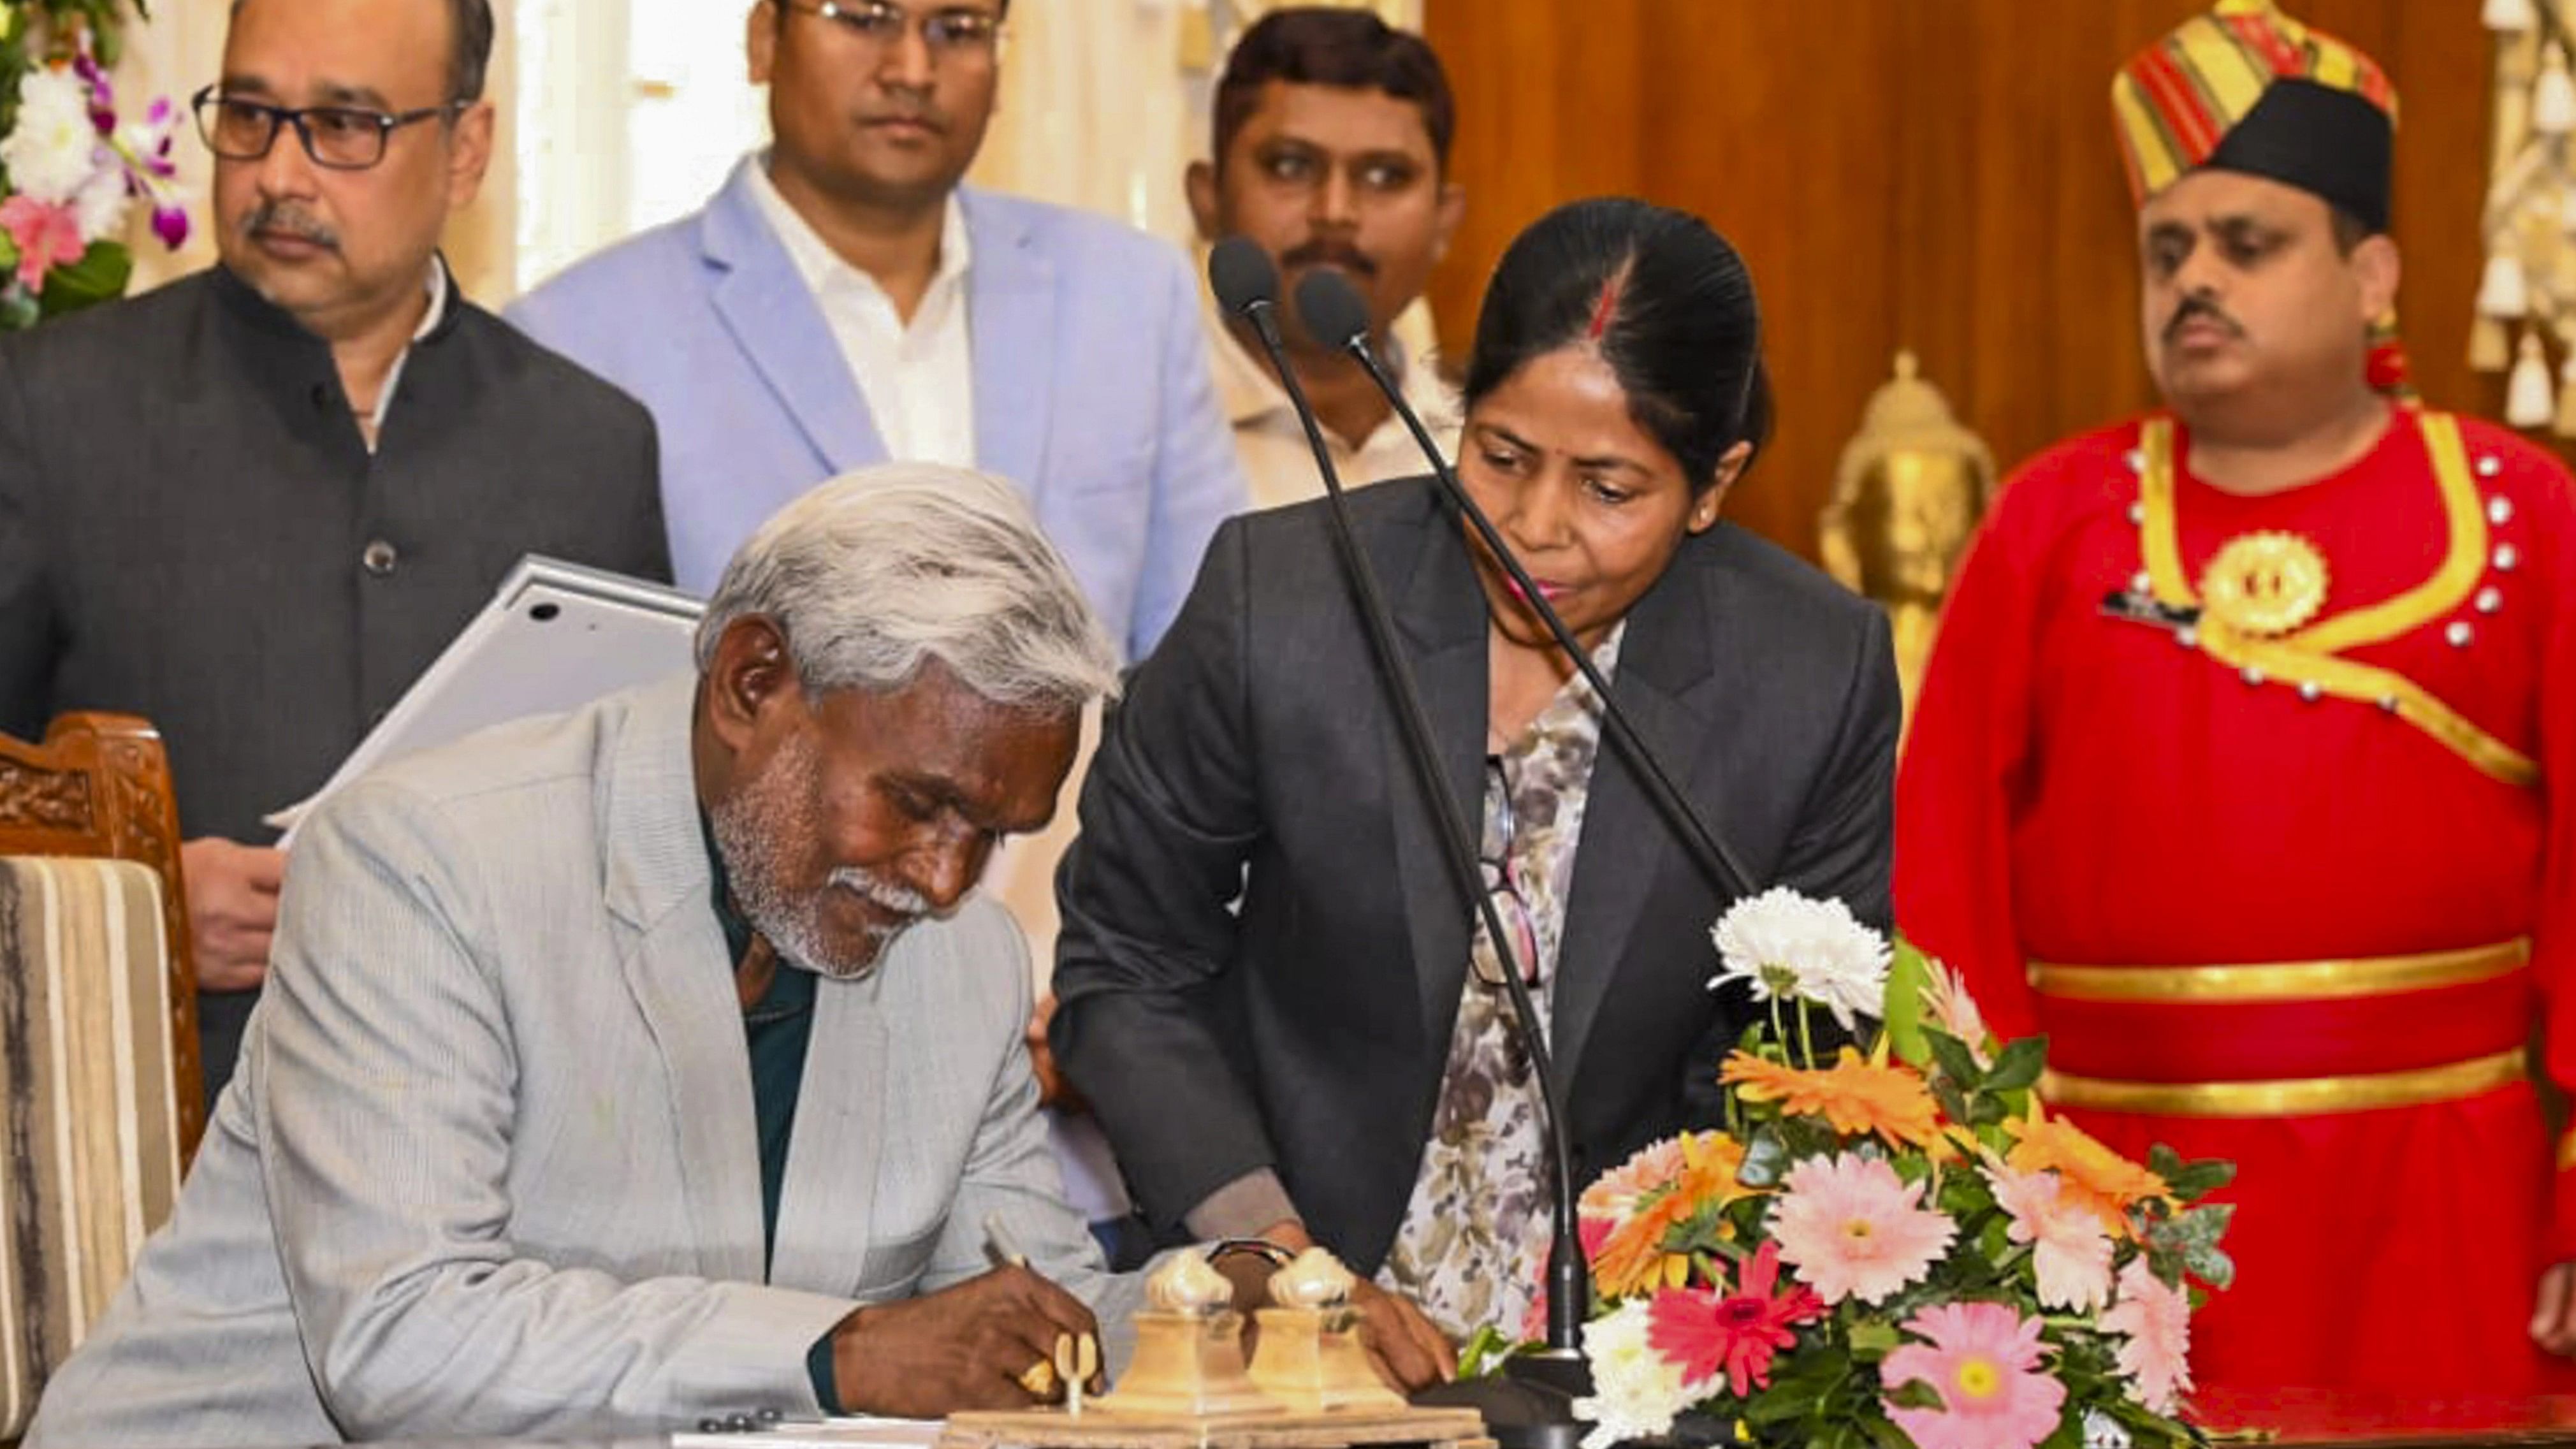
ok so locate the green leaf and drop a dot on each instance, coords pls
(100, 275)
(1766, 1158)
(1875, 1337)
(1484, 1352)
(18, 310)
(2017, 1066)
(1907, 974)
(2199, 1227)
(1957, 1062)
(2200, 1179)
(1883, 1433)
(1914, 1394)
(2210, 1265)
(2192, 1237)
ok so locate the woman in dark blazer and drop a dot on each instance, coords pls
(1274, 991)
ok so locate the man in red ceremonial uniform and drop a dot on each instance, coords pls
(2245, 767)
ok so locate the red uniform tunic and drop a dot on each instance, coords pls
(2090, 789)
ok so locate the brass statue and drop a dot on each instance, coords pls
(1908, 493)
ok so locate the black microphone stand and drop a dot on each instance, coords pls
(1559, 1371)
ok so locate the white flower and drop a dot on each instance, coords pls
(1636, 1392)
(1784, 944)
(53, 152)
(99, 208)
(2101, 1431)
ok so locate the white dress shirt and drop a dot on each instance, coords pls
(918, 379)
(372, 422)
(1271, 443)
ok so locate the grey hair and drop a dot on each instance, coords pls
(876, 572)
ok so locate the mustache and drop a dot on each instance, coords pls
(916, 115)
(2196, 309)
(288, 219)
(889, 896)
(1328, 254)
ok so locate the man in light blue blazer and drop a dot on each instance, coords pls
(843, 300)
(648, 1064)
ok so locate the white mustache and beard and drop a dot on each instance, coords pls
(758, 856)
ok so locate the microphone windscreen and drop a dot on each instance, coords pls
(1331, 308)
(1241, 274)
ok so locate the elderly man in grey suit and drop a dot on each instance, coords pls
(648, 1063)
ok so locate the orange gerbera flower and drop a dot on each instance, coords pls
(1856, 1096)
(2088, 1172)
(1632, 1259)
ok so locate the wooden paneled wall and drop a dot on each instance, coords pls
(1933, 174)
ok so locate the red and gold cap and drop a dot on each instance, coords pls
(2246, 88)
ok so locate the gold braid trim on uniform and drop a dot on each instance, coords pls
(2290, 1097)
(2312, 655)
(2450, 583)
(2282, 980)
(2369, 684)
(2567, 1149)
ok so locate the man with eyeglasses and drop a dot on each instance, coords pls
(844, 300)
(253, 505)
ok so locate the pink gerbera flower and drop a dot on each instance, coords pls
(1853, 1229)
(2155, 1351)
(1737, 1333)
(2068, 1247)
(1983, 1360)
(1614, 1194)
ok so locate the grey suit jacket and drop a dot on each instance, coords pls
(490, 1167)
(1256, 755)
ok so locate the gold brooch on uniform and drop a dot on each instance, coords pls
(2264, 584)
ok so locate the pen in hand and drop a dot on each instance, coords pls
(999, 1245)
(1075, 1361)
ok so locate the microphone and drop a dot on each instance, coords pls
(1531, 1409)
(1247, 286)
(1332, 311)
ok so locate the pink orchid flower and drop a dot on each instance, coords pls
(46, 233)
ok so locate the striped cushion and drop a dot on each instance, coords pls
(89, 1161)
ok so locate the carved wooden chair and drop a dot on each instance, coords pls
(99, 1078)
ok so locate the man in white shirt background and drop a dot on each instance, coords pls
(1331, 149)
(843, 299)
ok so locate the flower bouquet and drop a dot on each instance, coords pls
(68, 170)
(1891, 1243)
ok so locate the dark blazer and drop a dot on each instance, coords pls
(189, 519)
(1255, 755)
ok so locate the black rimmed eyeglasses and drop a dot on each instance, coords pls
(343, 138)
(1502, 873)
(952, 30)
